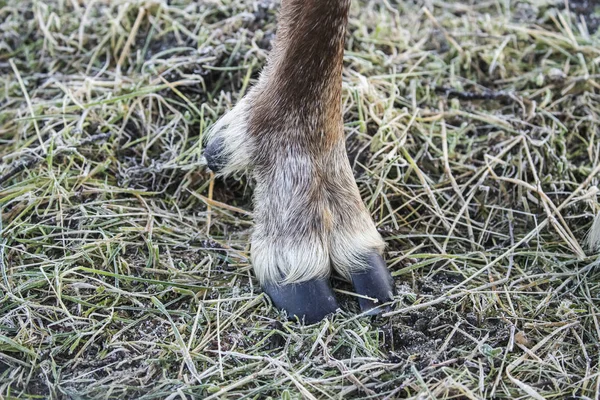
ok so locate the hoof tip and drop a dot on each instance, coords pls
(308, 301)
(214, 154)
(375, 282)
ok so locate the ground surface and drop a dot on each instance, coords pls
(474, 132)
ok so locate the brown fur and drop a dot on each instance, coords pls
(304, 75)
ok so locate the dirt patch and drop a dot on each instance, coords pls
(589, 10)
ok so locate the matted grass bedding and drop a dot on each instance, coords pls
(473, 129)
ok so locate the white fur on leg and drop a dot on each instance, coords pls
(354, 235)
(350, 245)
(289, 261)
(237, 143)
(290, 239)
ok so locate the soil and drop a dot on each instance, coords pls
(589, 10)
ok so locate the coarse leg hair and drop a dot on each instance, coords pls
(288, 130)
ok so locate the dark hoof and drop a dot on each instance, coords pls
(310, 301)
(375, 282)
(214, 154)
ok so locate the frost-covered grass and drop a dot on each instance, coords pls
(474, 131)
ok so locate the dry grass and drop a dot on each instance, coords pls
(474, 129)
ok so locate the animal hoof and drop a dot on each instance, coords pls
(309, 301)
(215, 155)
(375, 282)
